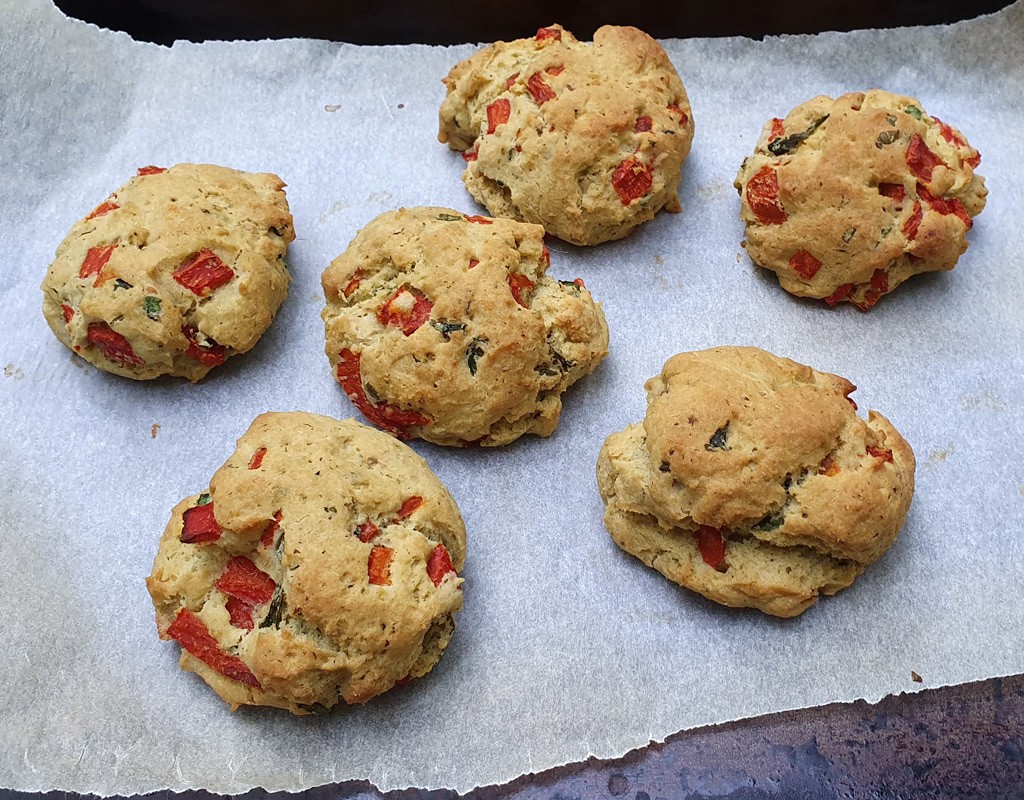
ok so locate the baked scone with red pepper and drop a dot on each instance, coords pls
(173, 273)
(585, 139)
(446, 327)
(753, 481)
(320, 566)
(845, 199)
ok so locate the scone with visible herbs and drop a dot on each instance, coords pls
(753, 481)
(173, 273)
(446, 327)
(585, 139)
(845, 199)
(320, 566)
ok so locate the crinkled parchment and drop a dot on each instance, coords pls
(567, 648)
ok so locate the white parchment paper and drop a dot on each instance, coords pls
(567, 648)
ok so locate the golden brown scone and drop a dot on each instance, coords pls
(320, 566)
(753, 481)
(447, 328)
(586, 140)
(176, 271)
(845, 199)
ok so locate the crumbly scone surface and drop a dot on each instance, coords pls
(585, 139)
(447, 328)
(845, 199)
(763, 462)
(173, 273)
(346, 591)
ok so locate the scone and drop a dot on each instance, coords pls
(753, 481)
(320, 566)
(845, 199)
(176, 271)
(447, 328)
(584, 139)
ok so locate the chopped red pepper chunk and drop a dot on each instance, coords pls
(511, 80)
(840, 294)
(112, 344)
(244, 580)
(211, 354)
(539, 90)
(711, 544)
(884, 453)
(974, 160)
(545, 254)
(643, 123)
(240, 613)
(675, 109)
(777, 131)
(920, 159)
(555, 71)
(498, 113)
(257, 458)
(579, 282)
(480, 220)
(378, 568)
(913, 222)
(473, 262)
(828, 467)
(151, 170)
(631, 180)
(383, 416)
(68, 312)
(407, 309)
(366, 531)
(199, 525)
(103, 208)
(470, 155)
(879, 286)
(880, 280)
(549, 33)
(203, 272)
(439, 564)
(804, 264)
(353, 284)
(519, 283)
(949, 134)
(409, 506)
(270, 532)
(944, 206)
(194, 637)
(95, 260)
(763, 197)
(894, 191)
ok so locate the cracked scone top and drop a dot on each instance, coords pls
(319, 567)
(176, 271)
(447, 328)
(845, 199)
(753, 481)
(585, 139)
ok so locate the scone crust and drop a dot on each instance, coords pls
(846, 198)
(772, 455)
(111, 294)
(447, 328)
(595, 137)
(330, 632)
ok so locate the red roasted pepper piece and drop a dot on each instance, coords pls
(711, 544)
(68, 312)
(840, 294)
(378, 568)
(151, 170)
(631, 180)
(920, 159)
(944, 206)
(763, 197)
(470, 155)
(267, 539)
(367, 531)
(353, 284)
(519, 283)
(511, 80)
(480, 220)
(103, 208)
(383, 416)
(828, 467)
(777, 131)
(473, 262)
(194, 637)
(643, 123)
(211, 354)
(913, 222)
(549, 33)
(894, 191)
(203, 272)
(407, 309)
(879, 286)
(555, 71)
(409, 506)
(539, 90)
(683, 119)
(545, 254)
(240, 613)
(257, 458)
(804, 264)
(439, 564)
(199, 525)
(498, 113)
(112, 344)
(884, 453)
(244, 580)
(95, 260)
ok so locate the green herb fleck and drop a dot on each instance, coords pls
(473, 352)
(914, 111)
(564, 364)
(780, 147)
(571, 285)
(717, 440)
(890, 119)
(120, 284)
(204, 498)
(886, 137)
(450, 218)
(314, 708)
(849, 234)
(665, 467)
(771, 522)
(273, 618)
(152, 306)
(886, 231)
(447, 328)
